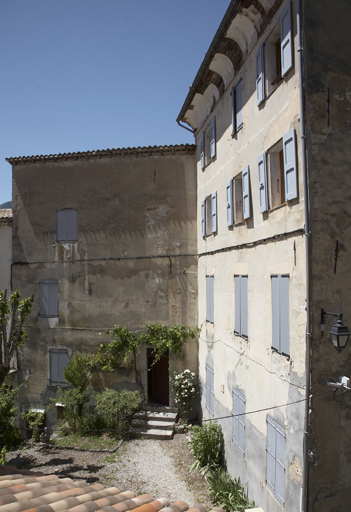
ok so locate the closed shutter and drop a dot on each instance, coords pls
(270, 453)
(280, 463)
(213, 136)
(244, 307)
(62, 363)
(284, 315)
(203, 218)
(210, 299)
(52, 293)
(286, 45)
(48, 298)
(239, 420)
(290, 168)
(214, 211)
(275, 313)
(210, 389)
(260, 74)
(230, 206)
(262, 182)
(238, 106)
(202, 151)
(44, 299)
(54, 367)
(71, 223)
(246, 193)
(237, 291)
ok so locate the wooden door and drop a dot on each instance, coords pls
(158, 379)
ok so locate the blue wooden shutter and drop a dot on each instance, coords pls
(239, 421)
(202, 150)
(210, 389)
(233, 112)
(235, 432)
(262, 182)
(203, 218)
(246, 193)
(62, 363)
(230, 206)
(71, 223)
(44, 298)
(237, 291)
(210, 299)
(54, 367)
(271, 453)
(286, 44)
(284, 314)
(290, 167)
(239, 105)
(275, 313)
(213, 136)
(279, 463)
(214, 211)
(52, 299)
(244, 307)
(260, 74)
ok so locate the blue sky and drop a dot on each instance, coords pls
(86, 74)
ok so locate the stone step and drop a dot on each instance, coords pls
(156, 415)
(151, 433)
(152, 424)
(159, 408)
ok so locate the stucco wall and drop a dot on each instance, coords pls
(134, 261)
(5, 256)
(328, 101)
(265, 244)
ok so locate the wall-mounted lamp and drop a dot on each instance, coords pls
(339, 332)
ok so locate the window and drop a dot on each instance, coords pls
(282, 180)
(48, 298)
(209, 215)
(67, 225)
(210, 299)
(58, 361)
(237, 108)
(278, 50)
(210, 389)
(280, 314)
(275, 459)
(239, 421)
(208, 144)
(241, 306)
(238, 198)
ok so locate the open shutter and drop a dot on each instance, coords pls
(203, 218)
(213, 136)
(262, 182)
(244, 307)
(230, 206)
(210, 299)
(284, 315)
(275, 313)
(237, 288)
(286, 44)
(214, 211)
(290, 167)
(202, 153)
(233, 112)
(246, 193)
(44, 299)
(239, 106)
(260, 74)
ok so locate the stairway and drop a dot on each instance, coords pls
(154, 422)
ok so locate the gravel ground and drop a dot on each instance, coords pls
(158, 468)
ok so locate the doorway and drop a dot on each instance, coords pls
(158, 378)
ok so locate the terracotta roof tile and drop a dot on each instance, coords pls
(5, 213)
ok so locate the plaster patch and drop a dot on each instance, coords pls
(295, 471)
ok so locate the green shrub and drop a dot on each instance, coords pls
(206, 444)
(9, 434)
(35, 420)
(3, 460)
(74, 401)
(227, 491)
(116, 407)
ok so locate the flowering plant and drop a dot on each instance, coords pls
(184, 389)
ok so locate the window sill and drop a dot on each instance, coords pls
(278, 207)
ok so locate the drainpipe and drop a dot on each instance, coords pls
(304, 490)
(186, 128)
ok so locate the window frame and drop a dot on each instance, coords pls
(59, 352)
(209, 218)
(275, 470)
(209, 389)
(237, 107)
(238, 422)
(48, 298)
(208, 144)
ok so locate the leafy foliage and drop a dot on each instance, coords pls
(116, 407)
(35, 420)
(9, 434)
(184, 389)
(13, 313)
(3, 456)
(227, 491)
(206, 444)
